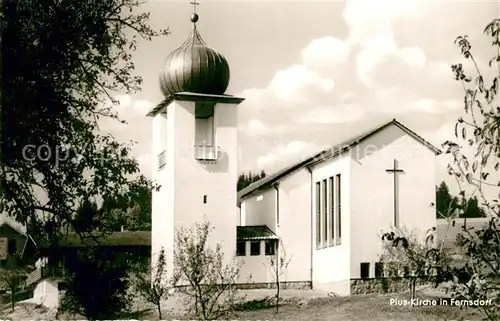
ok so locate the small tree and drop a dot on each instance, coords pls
(97, 284)
(11, 274)
(202, 276)
(153, 283)
(407, 256)
(277, 264)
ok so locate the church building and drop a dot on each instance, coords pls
(327, 212)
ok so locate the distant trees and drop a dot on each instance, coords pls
(246, 179)
(447, 205)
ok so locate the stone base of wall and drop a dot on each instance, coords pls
(296, 285)
(384, 285)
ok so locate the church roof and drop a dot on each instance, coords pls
(194, 67)
(255, 232)
(328, 153)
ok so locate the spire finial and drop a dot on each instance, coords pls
(194, 16)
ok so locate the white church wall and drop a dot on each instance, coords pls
(295, 224)
(192, 190)
(260, 209)
(254, 268)
(372, 192)
(196, 182)
(162, 201)
(331, 269)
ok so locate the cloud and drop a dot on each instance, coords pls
(137, 128)
(295, 84)
(282, 154)
(340, 87)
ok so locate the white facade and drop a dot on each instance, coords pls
(366, 207)
(198, 178)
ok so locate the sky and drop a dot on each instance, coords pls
(317, 73)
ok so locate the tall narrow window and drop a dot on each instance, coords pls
(318, 215)
(241, 248)
(255, 248)
(332, 210)
(12, 246)
(339, 208)
(364, 270)
(379, 269)
(325, 213)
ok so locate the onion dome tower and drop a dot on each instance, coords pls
(194, 67)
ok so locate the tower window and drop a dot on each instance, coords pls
(204, 199)
(365, 270)
(255, 248)
(241, 249)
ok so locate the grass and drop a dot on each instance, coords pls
(369, 307)
(360, 307)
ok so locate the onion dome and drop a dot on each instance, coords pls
(194, 67)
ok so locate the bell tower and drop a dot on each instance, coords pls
(195, 140)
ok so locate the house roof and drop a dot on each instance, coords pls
(447, 233)
(13, 226)
(126, 238)
(256, 232)
(328, 153)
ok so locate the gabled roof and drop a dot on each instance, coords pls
(329, 153)
(255, 232)
(12, 226)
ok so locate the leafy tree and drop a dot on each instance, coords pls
(479, 128)
(65, 60)
(405, 255)
(12, 273)
(278, 264)
(202, 276)
(246, 179)
(153, 283)
(96, 287)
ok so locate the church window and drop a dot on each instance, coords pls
(204, 199)
(365, 270)
(318, 215)
(271, 247)
(332, 210)
(325, 213)
(379, 269)
(339, 208)
(241, 248)
(12, 246)
(255, 248)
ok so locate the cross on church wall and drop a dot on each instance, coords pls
(395, 171)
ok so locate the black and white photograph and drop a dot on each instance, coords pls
(250, 160)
